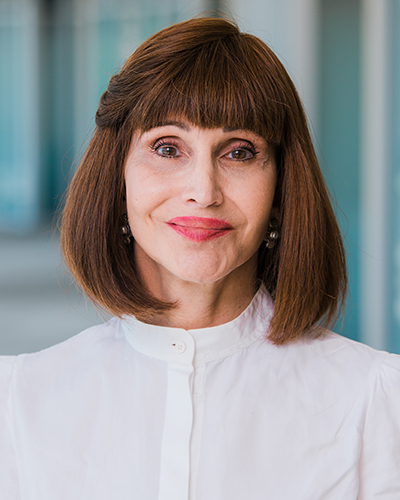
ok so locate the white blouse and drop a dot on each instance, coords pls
(130, 411)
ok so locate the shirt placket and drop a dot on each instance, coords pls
(175, 448)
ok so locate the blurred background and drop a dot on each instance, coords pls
(56, 57)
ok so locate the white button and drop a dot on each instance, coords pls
(179, 347)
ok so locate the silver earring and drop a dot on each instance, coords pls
(126, 229)
(272, 236)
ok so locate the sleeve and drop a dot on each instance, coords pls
(379, 469)
(9, 484)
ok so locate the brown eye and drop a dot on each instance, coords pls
(240, 154)
(168, 151)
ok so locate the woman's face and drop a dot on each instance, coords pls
(198, 201)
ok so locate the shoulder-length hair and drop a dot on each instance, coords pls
(210, 73)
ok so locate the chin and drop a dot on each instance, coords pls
(200, 278)
(203, 272)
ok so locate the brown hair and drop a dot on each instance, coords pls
(209, 72)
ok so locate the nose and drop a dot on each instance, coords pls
(203, 183)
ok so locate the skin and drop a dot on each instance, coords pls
(179, 170)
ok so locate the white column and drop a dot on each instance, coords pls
(374, 172)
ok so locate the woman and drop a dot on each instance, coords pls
(199, 217)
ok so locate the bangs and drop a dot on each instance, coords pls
(218, 83)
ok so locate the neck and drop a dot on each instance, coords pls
(202, 305)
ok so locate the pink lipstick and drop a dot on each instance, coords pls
(200, 228)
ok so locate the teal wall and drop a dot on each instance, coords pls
(19, 162)
(339, 134)
(395, 184)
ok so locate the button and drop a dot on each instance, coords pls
(179, 347)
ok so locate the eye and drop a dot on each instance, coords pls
(165, 149)
(243, 153)
(240, 154)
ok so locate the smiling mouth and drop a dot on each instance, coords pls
(200, 228)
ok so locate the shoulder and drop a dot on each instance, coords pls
(7, 364)
(93, 338)
(333, 363)
(6, 367)
(363, 355)
(349, 362)
(78, 353)
(338, 350)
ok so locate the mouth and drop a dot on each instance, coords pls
(200, 228)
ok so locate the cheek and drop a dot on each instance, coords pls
(141, 191)
(257, 197)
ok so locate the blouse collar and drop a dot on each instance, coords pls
(199, 346)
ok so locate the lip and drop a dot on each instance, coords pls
(200, 228)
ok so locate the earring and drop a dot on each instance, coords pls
(272, 236)
(126, 229)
